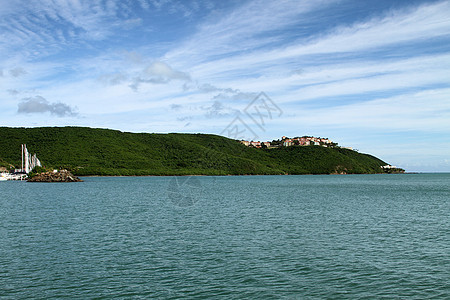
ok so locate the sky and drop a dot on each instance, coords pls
(373, 75)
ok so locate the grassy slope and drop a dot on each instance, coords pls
(88, 151)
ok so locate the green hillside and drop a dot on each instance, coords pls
(4, 164)
(88, 151)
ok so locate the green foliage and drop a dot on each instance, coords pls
(4, 164)
(88, 151)
(394, 171)
(38, 170)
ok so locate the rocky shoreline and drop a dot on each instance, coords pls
(59, 176)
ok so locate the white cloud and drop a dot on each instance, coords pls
(13, 92)
(239, 30)
(16, 72)
(427, 111)
(421, 24)
(158, 73)
(37, 28)
(162, 70)
(39, 104)
(349, 79)
(114, 79)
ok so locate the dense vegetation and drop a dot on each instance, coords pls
(4, 164)
(88, 151)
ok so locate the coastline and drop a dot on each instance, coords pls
(148, 154)
(196, 175)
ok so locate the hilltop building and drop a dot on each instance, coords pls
(297, 141)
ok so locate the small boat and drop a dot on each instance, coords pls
(8, 176)
(3, 177)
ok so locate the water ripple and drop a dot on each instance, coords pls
(252, 237)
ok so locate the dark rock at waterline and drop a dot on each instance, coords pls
(60, 176)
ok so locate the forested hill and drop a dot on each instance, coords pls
(89, 151)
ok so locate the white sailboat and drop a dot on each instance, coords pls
(29, 162)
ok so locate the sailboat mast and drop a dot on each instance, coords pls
(27, 161)
(22, 157)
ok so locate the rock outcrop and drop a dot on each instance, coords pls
(60, 176)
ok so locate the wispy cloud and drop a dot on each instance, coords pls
(336, 67)
(47, 26)
(419, 24)
(248, 27)
(426, 111)
(158, 73)
(218, 110)
(113, 79)
(12, 92)
(16, 72)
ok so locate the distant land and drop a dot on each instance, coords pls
(92, 151)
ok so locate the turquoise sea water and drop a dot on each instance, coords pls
(296, 237)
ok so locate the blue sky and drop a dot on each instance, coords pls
(373, 75)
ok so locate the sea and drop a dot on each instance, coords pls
(230, 237)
